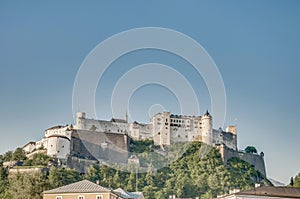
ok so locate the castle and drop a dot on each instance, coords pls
(165, 129)
(110, 139)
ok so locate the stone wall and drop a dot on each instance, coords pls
(253, 159)
(220, 137)
(93, 145)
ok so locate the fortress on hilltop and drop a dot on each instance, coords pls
(109, 140)
(165, 129)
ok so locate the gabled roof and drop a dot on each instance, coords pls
(289, 192)
(83, 186)
(128, 195)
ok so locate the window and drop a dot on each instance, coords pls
(58, 197)
(80, 197)
(99, 197)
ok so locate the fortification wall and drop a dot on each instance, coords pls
(253, 159)
(111, 147)
(220, 137)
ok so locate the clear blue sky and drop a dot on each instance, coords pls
(255, 45)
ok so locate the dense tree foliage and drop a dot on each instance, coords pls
(297, 181)
(198, 172)
(19, 155)
(7, 156)
(38, 159)
(250, 149)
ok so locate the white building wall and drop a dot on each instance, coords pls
(164, 128)
(161, 128)
(58, 130)
(207, 129)
(58, 147)
(29, 147)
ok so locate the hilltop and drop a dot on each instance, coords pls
(192, 174)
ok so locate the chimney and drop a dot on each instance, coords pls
(97, 182)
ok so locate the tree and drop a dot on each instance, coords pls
(292, 181)
(19, 155)
(61, 176)
(3, 181)
(250, 149)
(117, 180)
(297, 181)
(27, 185)
(7, 156)
(93, 173)
(40, 159)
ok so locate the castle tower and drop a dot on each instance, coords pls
(161, 128)
(206, 121)
(233, 131)
(80, 120)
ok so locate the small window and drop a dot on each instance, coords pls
(99, 197)
(58, 197)
(80, 197)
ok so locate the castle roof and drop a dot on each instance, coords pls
(207, 113)
(56, 127)
(83, 186)
(117, 120)
(59, 136)
(29, 143)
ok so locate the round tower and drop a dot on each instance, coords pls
(207, 128)
(80, 120)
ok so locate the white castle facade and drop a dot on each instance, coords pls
(164, 129)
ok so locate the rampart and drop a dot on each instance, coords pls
(257, 161)
(93, 145)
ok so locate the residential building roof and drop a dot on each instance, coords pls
(290, 192)
(268, 191)
(83, 186)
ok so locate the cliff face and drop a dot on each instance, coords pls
(110, 147)
(257, 161)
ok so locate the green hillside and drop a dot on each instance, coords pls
(191, 175)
